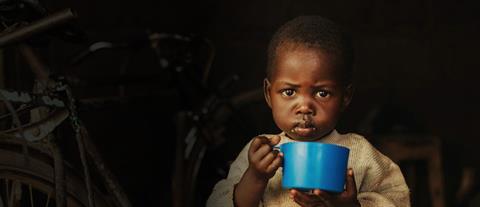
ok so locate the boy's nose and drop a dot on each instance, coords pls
(304, 110)
(305, 107)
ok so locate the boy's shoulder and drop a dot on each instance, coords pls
(353, 141)
(354, 137)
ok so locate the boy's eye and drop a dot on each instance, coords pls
(288, 92)
(323, 94)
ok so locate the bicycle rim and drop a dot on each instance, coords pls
(29, 181)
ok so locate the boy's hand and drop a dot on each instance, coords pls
(347, 198)
(263, 163)
(263, 160)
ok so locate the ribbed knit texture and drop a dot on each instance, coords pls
(380, 182)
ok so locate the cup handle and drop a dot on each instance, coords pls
(278, 149)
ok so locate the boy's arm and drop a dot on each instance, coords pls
(252, 170)
(223, 192)
(382, 182)
(263, 163)
(249, 191)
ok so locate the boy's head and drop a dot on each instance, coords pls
(309, 73)
(318, 33)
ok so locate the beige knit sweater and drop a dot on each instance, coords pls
(380, 182)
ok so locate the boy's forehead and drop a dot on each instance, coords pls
(304, 61)
(291, 45)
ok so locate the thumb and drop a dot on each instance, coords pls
(275, 140)
(351, 188)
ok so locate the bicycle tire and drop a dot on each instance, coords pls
(36, 170)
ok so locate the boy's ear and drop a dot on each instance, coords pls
(347, 98)
(266, 91)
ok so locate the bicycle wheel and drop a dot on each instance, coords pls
(28, 180)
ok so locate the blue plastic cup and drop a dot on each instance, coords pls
(313, 165)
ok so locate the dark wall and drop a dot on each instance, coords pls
(415, 56)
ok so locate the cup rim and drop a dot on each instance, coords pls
(316, 143)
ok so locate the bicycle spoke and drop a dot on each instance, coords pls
(13, 193)
(48, 199)
(31, 195)
(1, 201)
(7, 192)
(16, 194)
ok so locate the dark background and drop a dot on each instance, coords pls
(416, 62)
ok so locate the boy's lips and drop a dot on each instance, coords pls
(304, 127)
(303, 131)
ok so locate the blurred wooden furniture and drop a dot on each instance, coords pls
(411, 147)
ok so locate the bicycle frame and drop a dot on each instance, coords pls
(43, 122)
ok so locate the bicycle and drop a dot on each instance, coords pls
(32, 166)
(204, 111)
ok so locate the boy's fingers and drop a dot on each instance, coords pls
(275, 140)
(298, 196)
(276, 163)
(321, 193)
(263, 151)
(292, 193)
(304, 199)
(259, 155)
(257, 143)
(268, 159)
(351, 187)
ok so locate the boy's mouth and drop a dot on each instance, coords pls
(304, 128)
(303, 131)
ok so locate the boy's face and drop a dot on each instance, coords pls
(305, 94)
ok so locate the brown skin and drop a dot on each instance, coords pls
(319, 198)
(263, 163)
(305, 94)
(306, 98)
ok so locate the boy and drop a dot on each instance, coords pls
(308, 85)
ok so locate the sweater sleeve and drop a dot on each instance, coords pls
(383, 183)
(222, 194)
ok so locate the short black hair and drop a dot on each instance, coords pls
(316, 32)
